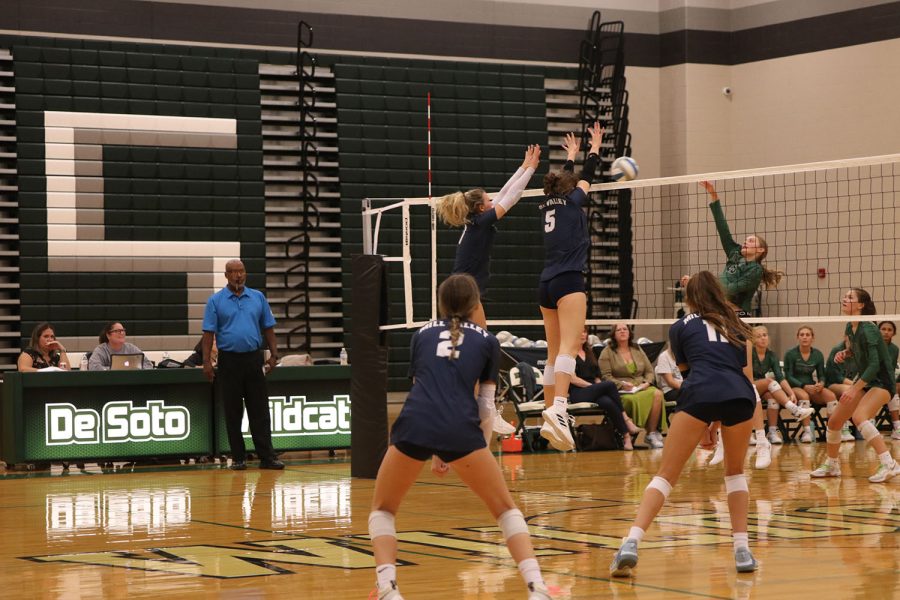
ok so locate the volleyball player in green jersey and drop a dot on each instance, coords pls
(870, 391)
(776, 389)
(743, 270)
(804, 369)
(838, 378)
(888, 329)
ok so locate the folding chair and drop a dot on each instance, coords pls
(526, 396)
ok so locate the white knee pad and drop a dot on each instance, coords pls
(868, 431)
(564, 364)
(661, 485)
(833, 436)
(381, 523)
(549, 375)
(486, 393)
(772, 403)
(511, 523)
(774, 386)
(736, 483)
(803, 403)
(831, 407)
(894, 403)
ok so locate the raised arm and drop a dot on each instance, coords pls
(590, 163)
(510, 193)
(728, 243)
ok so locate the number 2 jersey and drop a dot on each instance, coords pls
(440, 412)
(716, 365)
(566, 240)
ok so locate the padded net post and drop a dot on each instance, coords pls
(369, 357)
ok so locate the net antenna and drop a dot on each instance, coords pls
(768, 198)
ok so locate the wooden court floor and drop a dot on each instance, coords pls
(207, 532)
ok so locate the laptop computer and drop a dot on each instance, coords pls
(126, 362)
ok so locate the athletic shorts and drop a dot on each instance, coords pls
(552, 291)
(730, 412)
(421, 453)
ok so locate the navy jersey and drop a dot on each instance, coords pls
(473, 252)
(566, 239)
(440, 412)
(716, 365)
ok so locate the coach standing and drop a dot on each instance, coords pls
(238, 317)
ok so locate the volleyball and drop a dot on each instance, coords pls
(624, 169)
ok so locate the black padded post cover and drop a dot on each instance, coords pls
(368, 356)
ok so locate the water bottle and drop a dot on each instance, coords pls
(84, 362)
(344, 356)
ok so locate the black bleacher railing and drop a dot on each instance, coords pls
(603, 98)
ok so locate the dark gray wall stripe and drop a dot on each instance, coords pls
(211, 24)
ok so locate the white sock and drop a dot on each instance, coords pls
(760, 435)
(636, 534)
(886, 458)
(896, 425)
(773, 429)
(385, 574)
(741, 540)
(830, 461)
(792, 407)
(809, 429)
(530, 571)
(560, 403)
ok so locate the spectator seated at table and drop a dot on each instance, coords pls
(43, 351)
(587, 386)
(625, 364)
(112, 341)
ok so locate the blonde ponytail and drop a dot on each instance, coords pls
(452, 209)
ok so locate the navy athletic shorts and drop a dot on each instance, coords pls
(730, 412)
(421, 453)
(552, 291)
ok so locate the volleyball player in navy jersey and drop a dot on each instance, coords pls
(712, 348)
(562, 290)
(442, 417)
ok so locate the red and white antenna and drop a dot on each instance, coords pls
(433, 223)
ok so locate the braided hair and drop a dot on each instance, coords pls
(458, 297)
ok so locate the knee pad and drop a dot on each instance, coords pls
(661, 485)
(486, 393)
(736, 483)
(381, 523)
(868, 431)
(803, 403)
(511, 523)
(774, 386)
(772, 403)
(894, 403)
(549, 374)
(833, 436)
(564, 364)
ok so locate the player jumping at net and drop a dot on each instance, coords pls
(562, 290)
(712, 348)
(741, 277)
(441, 417)
(870, 391)
(476, 212)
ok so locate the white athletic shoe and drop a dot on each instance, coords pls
(502, 427)
(655, 439)
(752, 438)
(389, 593)
(846, 436)
(538, 591)
(763, 455)
(803, 412)
(827, 469)
(885, 472)
(626, 558)
(806, 437)
(718, 456)
(744, 561)
(556, 430)
(774, 437)
(895, 435)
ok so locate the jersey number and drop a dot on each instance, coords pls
(549, 221)
(713, 335)
(444, 348)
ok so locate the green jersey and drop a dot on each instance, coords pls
(894, 354)
(741, 277)
(799, 371)
(769, 363)
(837, 373)
(871, 355)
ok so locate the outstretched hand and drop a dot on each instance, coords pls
(710, 189)
(596, 137)
(571, 146)
(535, 157)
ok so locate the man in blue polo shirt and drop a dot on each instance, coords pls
(238, 317)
